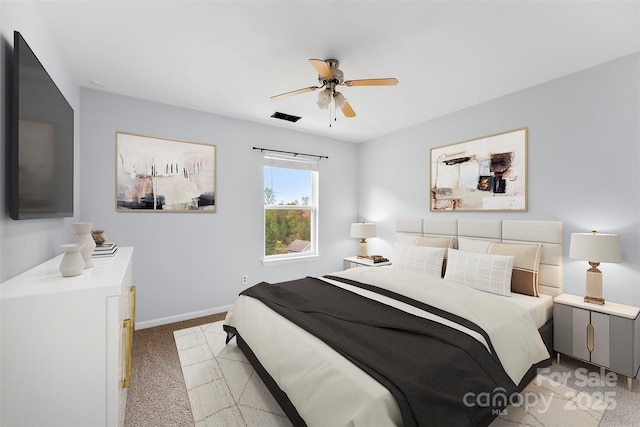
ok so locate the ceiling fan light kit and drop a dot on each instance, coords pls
(324, 99)
(339, 99)
(330, 76)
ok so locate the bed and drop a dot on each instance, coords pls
(400, 344)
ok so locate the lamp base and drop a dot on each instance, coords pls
(594, 287)
(594, 300)
(362, 250)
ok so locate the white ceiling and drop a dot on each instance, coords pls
(230, 57)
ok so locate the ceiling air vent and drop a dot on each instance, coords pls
(287, 117)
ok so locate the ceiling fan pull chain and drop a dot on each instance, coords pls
(335, 113)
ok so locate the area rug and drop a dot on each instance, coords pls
(224, 390)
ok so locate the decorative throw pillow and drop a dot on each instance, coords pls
(423, 259)
(407, 239)
(434, 242)
(473, 245)
(489, 273)
(524, 279)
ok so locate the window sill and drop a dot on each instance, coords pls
(289, 260)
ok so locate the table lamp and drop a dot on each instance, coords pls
(595, 248)
(362, 230)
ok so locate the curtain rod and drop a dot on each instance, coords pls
(290, 152)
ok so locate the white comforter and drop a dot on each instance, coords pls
(327, 389)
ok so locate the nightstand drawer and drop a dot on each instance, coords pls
(624, 335)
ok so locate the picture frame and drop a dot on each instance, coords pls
(155, 174)
(484, 174)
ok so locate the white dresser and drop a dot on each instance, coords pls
(66, 344)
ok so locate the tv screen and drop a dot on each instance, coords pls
(41, 178)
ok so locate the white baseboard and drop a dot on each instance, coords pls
(181, 317)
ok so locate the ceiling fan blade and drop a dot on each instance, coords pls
(294, 92)
(322, 68)
(372, 82)
(347, 110)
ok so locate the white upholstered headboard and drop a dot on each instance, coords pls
(548, 233)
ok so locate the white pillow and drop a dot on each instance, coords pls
(423, 259)
(489, 273)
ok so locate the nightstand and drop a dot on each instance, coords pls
(604, 335)
(354, 261)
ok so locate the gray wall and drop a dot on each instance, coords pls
(583, 165)
(188, 264)
(27, 243)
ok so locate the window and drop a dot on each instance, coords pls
(290, 207)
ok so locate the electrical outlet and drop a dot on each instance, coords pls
(245, 279)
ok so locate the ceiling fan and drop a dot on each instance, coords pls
(330, 76)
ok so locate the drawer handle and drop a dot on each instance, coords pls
(590, 338)
(132, 291)
(128, 330)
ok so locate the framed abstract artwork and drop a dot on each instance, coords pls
(164, 175)
(483, 174)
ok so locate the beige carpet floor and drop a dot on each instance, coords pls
(157, 396)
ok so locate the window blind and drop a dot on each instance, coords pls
(290, 162)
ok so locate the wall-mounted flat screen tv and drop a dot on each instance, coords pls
(41, 181)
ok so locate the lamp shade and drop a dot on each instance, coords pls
(324, 99)
(595, 247)
(339, 99)
(362, 230)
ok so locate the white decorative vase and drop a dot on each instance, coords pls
(82, 235)
(72, 263)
